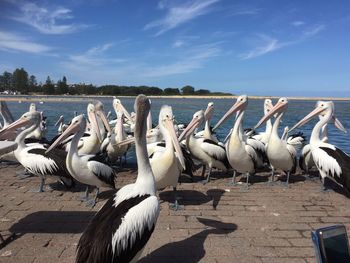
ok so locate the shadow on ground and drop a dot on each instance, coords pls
(192, 248)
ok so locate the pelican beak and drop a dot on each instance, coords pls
(15, 125)
(189, 129)
(339, 125)
(126, 113)
(126, 141)
(169, 125)
(237, 106)
(308, 117)
(59, 121)
(275, 109)
(105, 121)
(72, 128)
(94, 124)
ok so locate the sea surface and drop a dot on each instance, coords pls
(184, 109)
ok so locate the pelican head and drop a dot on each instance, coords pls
(209, 111)
(197, 119)
(166, 125)
(91, 111)
(323, 109)
(280, 107)
(267, 106)
(60, 120)
(32, 107)
(118, 106)
(240, 104)
(77, 124)
(101, 114)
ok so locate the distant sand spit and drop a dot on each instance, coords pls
(23, 98)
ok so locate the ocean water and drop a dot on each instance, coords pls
(184, 109)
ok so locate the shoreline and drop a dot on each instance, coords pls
(57, 98)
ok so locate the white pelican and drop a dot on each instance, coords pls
(280, 153)
(166, 165)
(207, 151)
(102, 120)
(87, 169)
(306, 161)
(207, 132)
(110, 144)
(91, 144)
(61, 125)
(33, 157)
(244, 155)
(329, 160)
(5, 114)
(123, 226)
(264, 136)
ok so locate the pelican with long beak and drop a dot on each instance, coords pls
(122, 227)
(244, 155)
(280, 153)
(210, 153)
(329, 160)
(168, 163)
(207, 132)
(87, 169)
(33, 157)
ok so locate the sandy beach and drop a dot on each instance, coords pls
(218, 224)
(52, 98)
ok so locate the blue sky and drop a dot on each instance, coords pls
(289, 48)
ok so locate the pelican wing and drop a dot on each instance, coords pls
(325, 160)
(102, 170)
(119, 231)
(213, 149)
(343, 160)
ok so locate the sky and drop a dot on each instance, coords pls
(257, 47)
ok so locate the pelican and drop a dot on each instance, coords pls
(5, 114)
(61, 125)
(306, 161)
(33, 157)
(264, 136)
(207, 151)
(102, 120)
(91, 144)
(166, 165)
(207, 132)
(329, 160)
(87, 169)
(280, 153)
(244, 155)
(110, 144)
(123, 226)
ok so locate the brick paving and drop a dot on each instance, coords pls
(219, 223)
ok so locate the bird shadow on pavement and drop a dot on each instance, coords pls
(191, 249)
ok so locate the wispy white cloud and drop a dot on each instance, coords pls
(245, 11)
(47, 19)
(297, 23)
(312, 31)
(269, 45)
(178, 43)
(192, 60)
(13, 42)
(95, 56)
(178, 15)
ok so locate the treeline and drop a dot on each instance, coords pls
(21, 82)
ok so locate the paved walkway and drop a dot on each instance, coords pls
(219, 223)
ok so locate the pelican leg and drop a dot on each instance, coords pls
(272, 180)
(233, 180)
(92, 202)
(203, 171)
(246, 187)
(205, 181)
(24, 174)
(41, 187)
(85, 197)
(287, 182)
(175, 206)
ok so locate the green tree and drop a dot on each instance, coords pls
(202, 92)
(6, 81)
(20, 80)
(62, 87)
(32, 84)
(48, 87)
(171, 91)
(187, 90)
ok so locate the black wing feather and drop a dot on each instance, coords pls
(95, 244)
